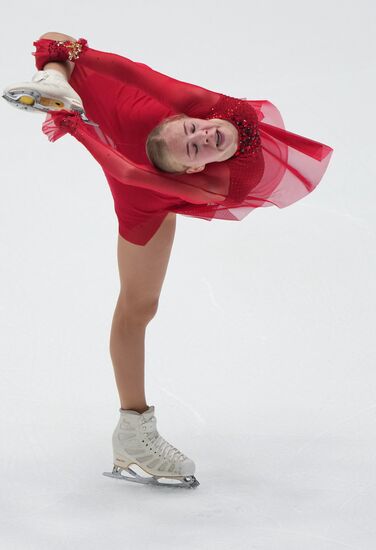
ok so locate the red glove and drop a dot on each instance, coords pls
(59, 123)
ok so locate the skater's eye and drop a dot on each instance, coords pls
(193, 128)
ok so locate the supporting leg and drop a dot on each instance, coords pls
(142, 271)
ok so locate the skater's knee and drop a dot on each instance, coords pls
(56, 36)
(136, 310)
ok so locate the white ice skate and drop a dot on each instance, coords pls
(47, 91)
(137, 441)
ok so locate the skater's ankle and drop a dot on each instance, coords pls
(140, 410)
(61, 68)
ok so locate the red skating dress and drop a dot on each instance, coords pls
(128, 99)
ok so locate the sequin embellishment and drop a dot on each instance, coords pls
(244, 118)
(63, 49)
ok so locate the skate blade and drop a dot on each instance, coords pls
(90, 122)
(33, 102)
(186, 482)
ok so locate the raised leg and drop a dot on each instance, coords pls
(142, 271)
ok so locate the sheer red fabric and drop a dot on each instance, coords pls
(128, 99)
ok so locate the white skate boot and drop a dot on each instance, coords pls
(137, 441)
(47, 91)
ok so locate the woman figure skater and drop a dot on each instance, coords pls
(165, 147)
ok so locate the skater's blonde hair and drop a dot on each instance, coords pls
(157, 149)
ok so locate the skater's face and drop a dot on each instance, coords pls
(194, 142)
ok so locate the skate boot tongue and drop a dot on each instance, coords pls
(136, 418)
(148, 413)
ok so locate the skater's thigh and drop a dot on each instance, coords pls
(142, 269)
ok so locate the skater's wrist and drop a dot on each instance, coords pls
(48, 50)
(75, 48)
(59, 123)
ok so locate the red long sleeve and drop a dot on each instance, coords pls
(193, 188)
(182, 96)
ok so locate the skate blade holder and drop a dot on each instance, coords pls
(32, 101)
(85, 119)
(148, 479)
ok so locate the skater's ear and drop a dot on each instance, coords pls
(191, 170)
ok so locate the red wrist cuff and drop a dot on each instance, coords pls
(59, 123)
(48, 50)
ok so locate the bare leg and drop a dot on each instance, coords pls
(142, 271)
(66, 67)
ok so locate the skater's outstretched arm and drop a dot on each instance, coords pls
(193, 188)
(178, 95)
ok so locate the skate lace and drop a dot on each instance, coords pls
(159, 444)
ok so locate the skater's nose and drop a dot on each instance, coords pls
(209, 136)
(205, 136)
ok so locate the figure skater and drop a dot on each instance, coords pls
(165, 147)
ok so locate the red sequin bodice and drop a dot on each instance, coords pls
(245, 120)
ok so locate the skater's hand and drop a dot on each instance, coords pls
(59, 123)
(68, 120)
